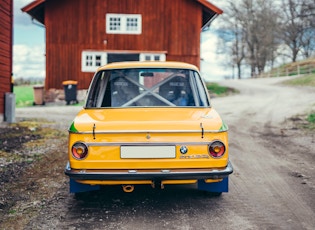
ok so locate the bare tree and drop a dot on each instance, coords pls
(232, 39)
(308, 42)
(256, 31)
(298, 27)
(260, 29)
(238, 50)
(252, 25)
(308, 17)
(308, 11)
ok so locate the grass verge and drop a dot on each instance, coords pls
(311, 121)
(218, 90)
(307, 80)
(24, 95)
(304, 122)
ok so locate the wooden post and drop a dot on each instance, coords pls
(298, 70)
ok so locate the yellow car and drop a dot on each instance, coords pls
(148, 123)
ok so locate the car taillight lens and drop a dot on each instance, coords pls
(217, 149)
(79, 150)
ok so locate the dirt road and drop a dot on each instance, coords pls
(272, 187)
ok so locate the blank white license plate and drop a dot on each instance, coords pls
(148, 152)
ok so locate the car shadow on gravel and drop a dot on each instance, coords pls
(171, 193)
(113, 198)
(144, 203)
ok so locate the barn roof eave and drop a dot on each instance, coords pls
(216, 10)
(209, 13)
(36, 10)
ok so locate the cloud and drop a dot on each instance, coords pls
(28, 61)
(211, 67)
(29, 44)
(21, 18)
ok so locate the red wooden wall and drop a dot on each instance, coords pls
(5, 49)
(73, 26)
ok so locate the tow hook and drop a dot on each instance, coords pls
(128, 188)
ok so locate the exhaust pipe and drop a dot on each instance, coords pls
(128, 188)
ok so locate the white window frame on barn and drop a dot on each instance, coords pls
(152, 57)
(123, 24)
(91, 60)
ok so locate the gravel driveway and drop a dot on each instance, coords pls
(272, 187)
(62, 115)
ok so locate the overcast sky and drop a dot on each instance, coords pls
(29, 47)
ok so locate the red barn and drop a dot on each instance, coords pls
(84, 34)
(6, 15)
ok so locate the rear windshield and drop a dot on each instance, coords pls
(147, 88)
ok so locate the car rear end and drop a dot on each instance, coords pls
(148, 125)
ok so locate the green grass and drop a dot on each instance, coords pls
(24, 95)
(216, 88)
(311, 118)
(12, 211)
(310, 124)
(307, 80)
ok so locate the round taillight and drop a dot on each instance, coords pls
(79, 150)
(217, 149)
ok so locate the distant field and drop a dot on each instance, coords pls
(24, 95)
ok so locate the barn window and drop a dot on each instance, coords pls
(91, 60)
(114, 24)
(152, 57)
(123, 23)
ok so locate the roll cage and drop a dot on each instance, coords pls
(147, 88)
